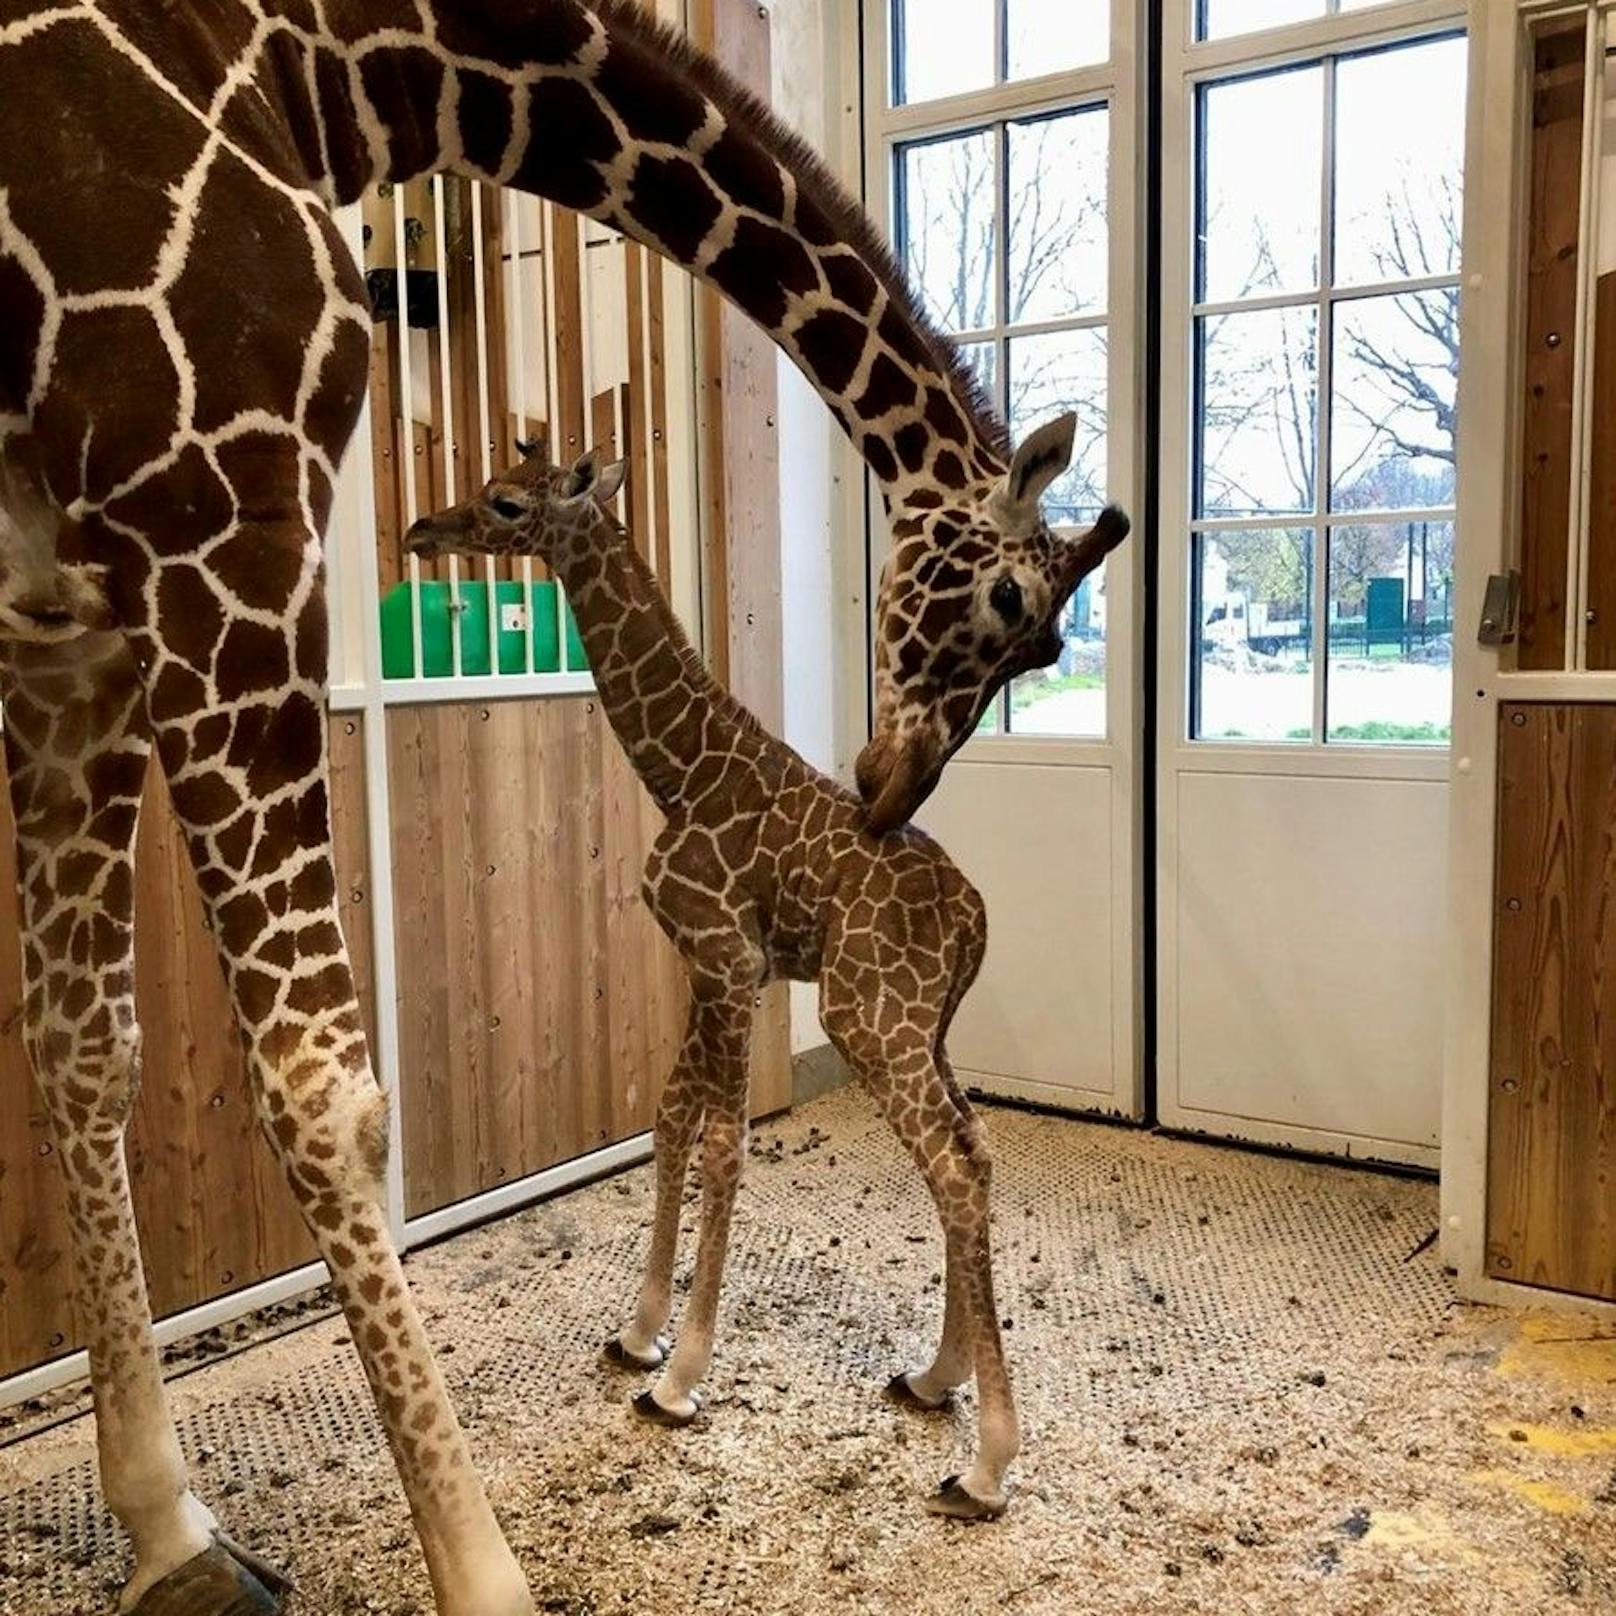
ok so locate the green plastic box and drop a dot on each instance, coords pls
(437, 642)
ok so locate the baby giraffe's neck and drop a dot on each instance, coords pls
(668, 712)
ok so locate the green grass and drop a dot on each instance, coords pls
(1375, 730)
(1029, 695)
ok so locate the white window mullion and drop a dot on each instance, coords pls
(1321, 470)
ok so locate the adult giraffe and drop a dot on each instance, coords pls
(183, 349)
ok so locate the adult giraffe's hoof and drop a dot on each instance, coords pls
(905, 1396)
(675, 1419)
(952, 1500)
(224, 1580)
(620, 1355)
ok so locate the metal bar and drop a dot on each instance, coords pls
(1327, 293)
(1324, 406)
(406, 419)
(479, 270)
(568, 1175)
(73, 1366)
(457, 606)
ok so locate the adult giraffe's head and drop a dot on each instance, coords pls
(971, 596)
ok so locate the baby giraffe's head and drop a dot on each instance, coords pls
(526, 510)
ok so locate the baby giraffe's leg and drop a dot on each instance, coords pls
(896, 1051)
(642, 1344)
(721, 1028)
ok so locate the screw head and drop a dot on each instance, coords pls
(1513, 905)
(1510, 1085)
(1518, 720)
(1552, 340)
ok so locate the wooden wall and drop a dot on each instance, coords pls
(1551, 1210)
(539, 1004)
(213, 1210)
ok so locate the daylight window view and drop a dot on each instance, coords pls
(1003, 226)
(1327, 361)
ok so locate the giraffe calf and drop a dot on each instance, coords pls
(765, 870)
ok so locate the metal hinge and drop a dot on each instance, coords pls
(1499, 608)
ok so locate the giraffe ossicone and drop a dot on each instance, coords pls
(184, 350)
(765, 869)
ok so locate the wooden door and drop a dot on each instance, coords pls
(1551, 1203)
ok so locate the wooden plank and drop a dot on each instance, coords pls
(213, 1210)
(1551, 1218)
(539, 1005)
(1602, 484)
(1551, 312)
(567, 352)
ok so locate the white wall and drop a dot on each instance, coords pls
(810, 561)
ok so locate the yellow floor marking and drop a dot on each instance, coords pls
(1579, 1442)
(1547, 1496)
(1564, 1347)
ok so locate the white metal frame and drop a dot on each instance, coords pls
(1118, 84)
(1489, 514)
(1187, 65)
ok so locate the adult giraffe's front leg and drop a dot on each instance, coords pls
(77, 747)
(238, 712)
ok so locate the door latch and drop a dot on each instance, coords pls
(1499, 608)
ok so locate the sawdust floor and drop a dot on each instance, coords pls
(1240, 1392)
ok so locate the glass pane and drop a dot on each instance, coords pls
(1391, 633)
(941, 47)
(1058, 216)
(1254, 652)
(1262, 144)
(1258, 412)
(1399, 179)
(1064, 370)
(1050, 36)
(1069, 698)
(1395, 378)
(1220, 18)
(983, 358)
(948, 226)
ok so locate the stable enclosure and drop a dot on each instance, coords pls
(1293, 1045)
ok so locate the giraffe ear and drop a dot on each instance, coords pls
(1039, 461)
(527, 447)
(609, 482)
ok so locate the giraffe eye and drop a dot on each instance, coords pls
(508, 509)
(1006, 599)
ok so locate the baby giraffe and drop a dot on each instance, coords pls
(764, 870)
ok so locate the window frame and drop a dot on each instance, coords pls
(1117, 86)
(1188, 67)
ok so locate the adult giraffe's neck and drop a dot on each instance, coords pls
(666, 709)
(599, 108)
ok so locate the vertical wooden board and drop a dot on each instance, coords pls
(384, 453)
(518, 848)
(1551, 1218)
(1551, 311)
(1602, 484)
(212, 1207)
(567, 352)
(657, 346)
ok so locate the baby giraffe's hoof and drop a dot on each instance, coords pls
(224, 1580)
(621, 1356)
(649, 1409)
(905, 1396)
(952, 1500)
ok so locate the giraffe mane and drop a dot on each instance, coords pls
(814, 178)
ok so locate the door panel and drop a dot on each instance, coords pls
(1309, 995)
(1551, 1217)
(1050, 1016)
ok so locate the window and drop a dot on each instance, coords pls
(1326, 356)
(1217, 19)
(953, 47)
(1003, 224)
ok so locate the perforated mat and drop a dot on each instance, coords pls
(1241, 1389)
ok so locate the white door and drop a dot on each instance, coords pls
(1002, 150)
(1312, 158)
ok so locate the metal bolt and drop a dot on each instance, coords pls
(350, 728)
(1518, 720)
(490, 869)
(228, 1277)
(1513, 905)
(1552, 340)
(58, 1339)
(493, 1023)
(217, 1102)
(1510, 1085)
(45, 1148)
(1503, 1262)
(1591, 616)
